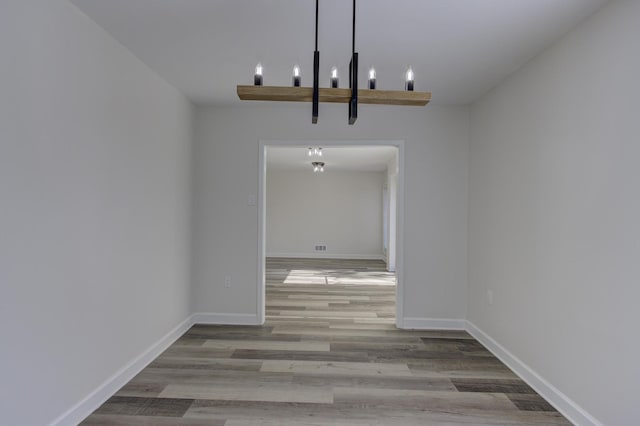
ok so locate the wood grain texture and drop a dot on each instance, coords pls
(328, 354)
(305, 94)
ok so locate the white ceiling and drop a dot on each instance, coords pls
(459, 49)
(353, 158)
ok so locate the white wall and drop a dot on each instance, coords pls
(226, 174)
(554, 226)
(340, 209)
(94, 208)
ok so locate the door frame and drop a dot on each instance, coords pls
(400, 203)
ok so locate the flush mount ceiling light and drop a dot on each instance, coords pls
(315, 152)
(318, 166)
(334, 94)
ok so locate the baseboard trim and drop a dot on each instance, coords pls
(329, 256)
(566, 406)
(95, 399)
(433, 323)
(225, 319)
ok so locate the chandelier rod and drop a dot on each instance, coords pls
(316, 76)
(353, 73)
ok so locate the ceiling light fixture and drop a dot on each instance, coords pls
(257, 77)
(372, 78)
(334, 78)
(318, 166)
(296, 76)
(315, 151)
(409, 81)
(334, 94)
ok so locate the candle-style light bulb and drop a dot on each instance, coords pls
(410, 80)
(296, 76)
(257, 78)
(334, 77)
(321, 167)
(310, 152)
(319, 152)
(372, 78)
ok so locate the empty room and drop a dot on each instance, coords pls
(319, 212)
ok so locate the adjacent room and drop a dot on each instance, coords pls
(328, 211)
(319, 212)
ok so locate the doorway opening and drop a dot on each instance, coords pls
(306, 241)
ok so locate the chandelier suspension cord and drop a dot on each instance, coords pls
(353, 31)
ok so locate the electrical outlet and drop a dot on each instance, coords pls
(490, 296)
(227, 281)
(321, 247)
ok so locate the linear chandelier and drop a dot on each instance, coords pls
(334, 94)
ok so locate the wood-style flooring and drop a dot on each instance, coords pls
(328, 354)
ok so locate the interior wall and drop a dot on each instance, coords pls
(554, 208)
(226, 177)
(337, 208)
(94, 208)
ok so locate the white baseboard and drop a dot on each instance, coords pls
(567, 407)
(91, 402)
(226, 319)
(321, 255)
(433, 323)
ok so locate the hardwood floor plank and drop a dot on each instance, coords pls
(125, 420)
(267, 345)
(337, 368)
(161, 406)
(141, 389)
(377, 382)
(194, 377)
(507, 386)
(374, 347)
(301, 355)
(330, 313)
(530, 402)
(457, 402)
(268, 392)
(206, 364)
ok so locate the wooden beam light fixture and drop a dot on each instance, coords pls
(352, 96)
